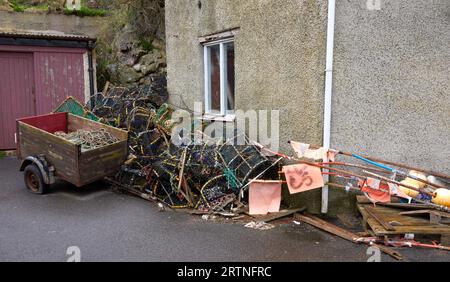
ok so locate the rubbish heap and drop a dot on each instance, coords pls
(396, 201)
(207, 177)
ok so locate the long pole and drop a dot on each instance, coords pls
(384, 165)
(328, 92)
(262, 147)
(397, 165)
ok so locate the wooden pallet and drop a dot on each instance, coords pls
(383, 221)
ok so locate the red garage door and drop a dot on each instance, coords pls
(16, 94)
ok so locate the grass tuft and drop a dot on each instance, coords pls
(86, 12)
(17, 7)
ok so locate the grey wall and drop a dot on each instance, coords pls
(279, 61)
(279, 57)
(391, 93)
(391, 81)
(391, 73)
(90, 26)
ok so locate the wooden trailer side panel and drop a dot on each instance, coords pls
(60, 153)
(98, 163)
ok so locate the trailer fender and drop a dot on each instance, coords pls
(46, 170)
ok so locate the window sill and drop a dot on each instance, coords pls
(211, 117)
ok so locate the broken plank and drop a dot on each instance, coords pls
(408, 224)
(435, 217)
(364, 200)
(274, 216)
(388, 251)
(372, 212)
(326, 226)
(344, 234)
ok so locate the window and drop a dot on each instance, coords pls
(219, 77)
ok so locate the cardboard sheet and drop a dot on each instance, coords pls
(264, 197)
(303, 151)
(303, 177)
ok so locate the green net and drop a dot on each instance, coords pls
(71, 105)
(232, 180)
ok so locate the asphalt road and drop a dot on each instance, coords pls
(108, 226)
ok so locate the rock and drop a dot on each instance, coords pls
(127, 40)
(147, 59)
(161, 63)
(112, 69)
(159, 44)
(127, 75)
(130, 61)
(137, 67)
(149, 69)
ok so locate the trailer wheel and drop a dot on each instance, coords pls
(34, 180)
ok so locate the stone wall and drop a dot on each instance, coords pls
(131, 63)
(46, 21)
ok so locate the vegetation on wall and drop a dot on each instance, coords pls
(85, 12)
(131, 47)
(88, 7)
(16, 6)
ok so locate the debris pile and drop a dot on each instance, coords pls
(398, 203)
(395, 200)
(207, 177)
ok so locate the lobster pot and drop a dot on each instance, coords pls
(245, 161)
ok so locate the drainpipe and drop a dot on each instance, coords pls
(91, 46)
(328, 93)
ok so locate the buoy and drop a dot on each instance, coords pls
(441, 197)
(419, 175)
(407, 191)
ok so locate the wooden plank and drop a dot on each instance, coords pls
(283, 213)
(361, 199)
(409, 224)
(372, 213)
(98, 163)
(347, 235)
(326, 226)
(434, 216)
(222, 35)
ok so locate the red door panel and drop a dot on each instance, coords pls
(16, 94)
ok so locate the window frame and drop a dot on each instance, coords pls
(224, 112)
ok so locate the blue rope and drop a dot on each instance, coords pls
(374, 163)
